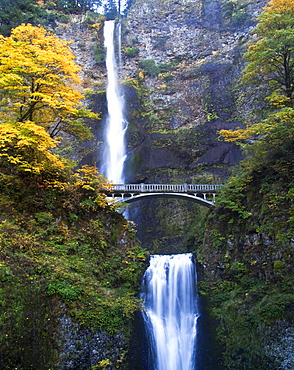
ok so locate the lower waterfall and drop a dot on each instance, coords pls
(170, 311)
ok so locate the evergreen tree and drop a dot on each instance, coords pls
(111, 9)
(77, 6)
(15, 12)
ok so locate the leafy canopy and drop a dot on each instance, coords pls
(15, 12)
(40, 12)
(75, 6)
(271, 58)
(271, 63)
(25, 147)
(39, 82)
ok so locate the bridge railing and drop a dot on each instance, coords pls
(171, 188)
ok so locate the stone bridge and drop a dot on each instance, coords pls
(200, 193)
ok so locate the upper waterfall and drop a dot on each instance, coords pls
(115, 151)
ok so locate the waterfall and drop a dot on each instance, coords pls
(115, 152)
(119, 43)
(170, 311)
(170, 306)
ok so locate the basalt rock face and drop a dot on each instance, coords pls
(181, 65)
(180, 73)
(83, 348)
(182, 62)
(188, 57)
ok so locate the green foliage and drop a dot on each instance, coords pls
(211, 116)
(248, 237)
(99, 54)
(234, 12)
(58, 256)
(15, 12)
(131, 51)
(110, 9)
(271, 57)
(166, 76)
(57, 237)
(270, 68)
(74, 6)
(273, 307)
(279, 266)
(28, 333)
(243, 308)
(152, 69)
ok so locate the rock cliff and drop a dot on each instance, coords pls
(181, 64)
(187, 55)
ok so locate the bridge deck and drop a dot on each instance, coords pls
(164, 188)
(201, 193)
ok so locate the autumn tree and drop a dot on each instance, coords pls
(271, 64)
(26, 148)
(39, 82)
(271, 58)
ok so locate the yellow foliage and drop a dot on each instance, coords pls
(26, 146)
(244, 134)
(277, 99)
(271, 66)
(89, 177)
(281, 118)
(91, 182)
(141, 74)
(100, 22)
(277, 6)
(38, 80)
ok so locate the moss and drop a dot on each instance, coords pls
(63, 251)
(99, 54)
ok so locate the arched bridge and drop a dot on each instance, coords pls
(200, 193)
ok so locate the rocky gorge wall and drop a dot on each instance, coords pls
(188, 58)
(181, 70)
(181, 65)
(180, 73)
(182, 62)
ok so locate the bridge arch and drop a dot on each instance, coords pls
(135, 197)
(198, 193)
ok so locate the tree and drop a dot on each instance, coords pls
(15, 12)
(271, 63)
(111, 9)
(39, 82)
(271, 58)
(77, 6)
(26, 147)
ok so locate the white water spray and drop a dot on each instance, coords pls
(115, 152)
(170, 311)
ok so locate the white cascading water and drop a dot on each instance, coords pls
(170, 306)
(115, 151)
(170, 311)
